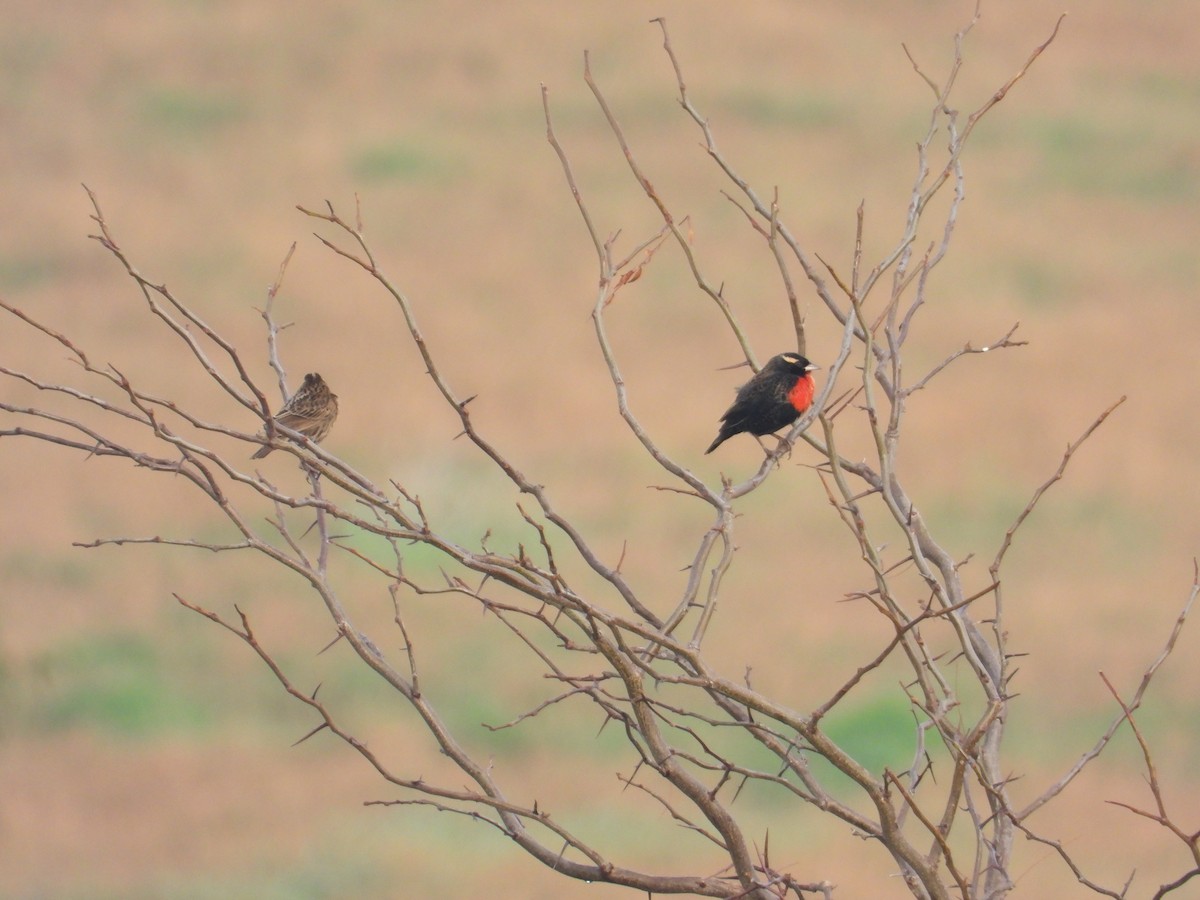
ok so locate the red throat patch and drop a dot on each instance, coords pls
(801, 395)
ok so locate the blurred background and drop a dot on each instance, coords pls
(146, 753)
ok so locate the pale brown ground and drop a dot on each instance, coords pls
(1081, 222)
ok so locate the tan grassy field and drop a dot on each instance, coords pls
(145, 753)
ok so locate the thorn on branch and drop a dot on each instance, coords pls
(340, 635)
(320, 727)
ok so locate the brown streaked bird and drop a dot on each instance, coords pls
(310, 411)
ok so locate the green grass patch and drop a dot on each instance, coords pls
(1081, 155)
(116, 683)
(878, 731)
(1129, 157)
(28, 53)
(18, 272)
(181, 112)
(419, 560)
(309, 878)
(512, 686)
(469, 712)
(1155, 87)
(974, 519)
(1040, 284)
(64, 571)
(399, 160)
(1055, 735)
(484, 519)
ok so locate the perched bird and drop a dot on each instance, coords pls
(310, 411)
(775, 397)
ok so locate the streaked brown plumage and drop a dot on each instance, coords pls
(310, 411)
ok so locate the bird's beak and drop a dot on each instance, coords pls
(811, 367)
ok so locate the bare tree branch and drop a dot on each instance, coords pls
(586, 639)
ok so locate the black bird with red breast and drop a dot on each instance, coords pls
(777, 396)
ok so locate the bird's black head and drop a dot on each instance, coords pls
(792, 363)
(312, 379)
